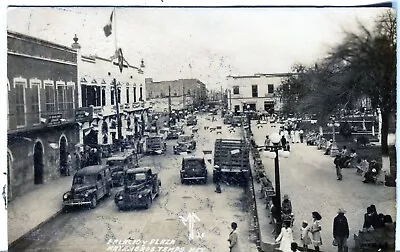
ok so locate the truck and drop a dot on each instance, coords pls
(155, 144)
(232, 157)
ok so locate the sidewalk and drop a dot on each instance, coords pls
(27, 212)
(309, 178)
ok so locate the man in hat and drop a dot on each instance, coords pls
(341, 231)
(217, 178)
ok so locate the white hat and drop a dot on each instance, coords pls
(341, 210)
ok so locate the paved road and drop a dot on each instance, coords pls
(309, 178)
(91, 230)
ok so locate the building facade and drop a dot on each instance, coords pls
(255, 92)
(185, 93)
(42, 98)
(100, 97)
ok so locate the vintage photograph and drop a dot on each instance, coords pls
(201, 129)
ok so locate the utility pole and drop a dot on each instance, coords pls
(169, 106)
(183, 95)
(119, 128)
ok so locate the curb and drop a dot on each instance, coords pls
(12, 244)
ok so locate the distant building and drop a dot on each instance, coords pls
(42, 98)
(258, 92)
(185, 93)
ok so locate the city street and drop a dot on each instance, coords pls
(96, 230)
(309, 178)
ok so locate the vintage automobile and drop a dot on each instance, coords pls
(185, 143)
(141, 187)
(174, 132)
(193, 169)
(89, 185)
(164, 132)
(119, 163)
(191, 120)
(155, 144)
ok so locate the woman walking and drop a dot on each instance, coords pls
(285, 238)
(316, 231)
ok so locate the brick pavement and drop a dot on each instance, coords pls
(309, 178)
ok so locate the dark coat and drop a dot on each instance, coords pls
(340, 226)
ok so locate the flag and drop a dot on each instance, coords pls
(108, 27)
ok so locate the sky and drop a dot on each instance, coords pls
(215, 42)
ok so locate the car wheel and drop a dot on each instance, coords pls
(205, 181)
(93, 202)
(182, 181)
(121, 207)
(148, 202)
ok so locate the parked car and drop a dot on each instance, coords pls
(118, 164)
(191, 120)
(193, 169)
(164, 132)
(155, 145)
(185, 143)
(89, 185)
(141, 187)
(174, 132)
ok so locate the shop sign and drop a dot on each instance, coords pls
(83, 114)
(54, 119)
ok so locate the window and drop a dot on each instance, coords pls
(235, 89)
(50, 98)
(61, 97)
(97, 96)
(69, 100)
(127, 95)
(237, 108)
(84, 95)
(134, 94)
(112, 96)
(35, 98)
(19, 87)
(175, 94)
(140, 94)
(254, 90)
(119, 96)
(188, 92)
(270, 88)
(103, 96)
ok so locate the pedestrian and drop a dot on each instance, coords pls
(338, 166)
(285, 238)
(217, 178)
(316, 231)
(77, 161)
(294, 246)
(283, 141)
(301, 134)
(267, 142)
(233, 239)
(341, 231)
(69, 164)
(305, 235)
(5, 196)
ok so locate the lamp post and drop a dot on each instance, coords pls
(333, 124)
(275, 150)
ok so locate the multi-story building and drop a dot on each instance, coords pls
(185, 93)
(99, 99)
(42, 98)
(254, 92)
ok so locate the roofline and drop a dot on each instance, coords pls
(38, 40)
(258, 75)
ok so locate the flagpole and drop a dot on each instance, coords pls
(115, 29)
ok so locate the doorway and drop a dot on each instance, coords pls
(63, 154)
(38, 163)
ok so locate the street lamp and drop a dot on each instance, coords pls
(274, 152)
(334, 148)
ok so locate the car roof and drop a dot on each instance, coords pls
(193, 158)
(89, 170)
(140, 169)
(119, 157)
(185, 135)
